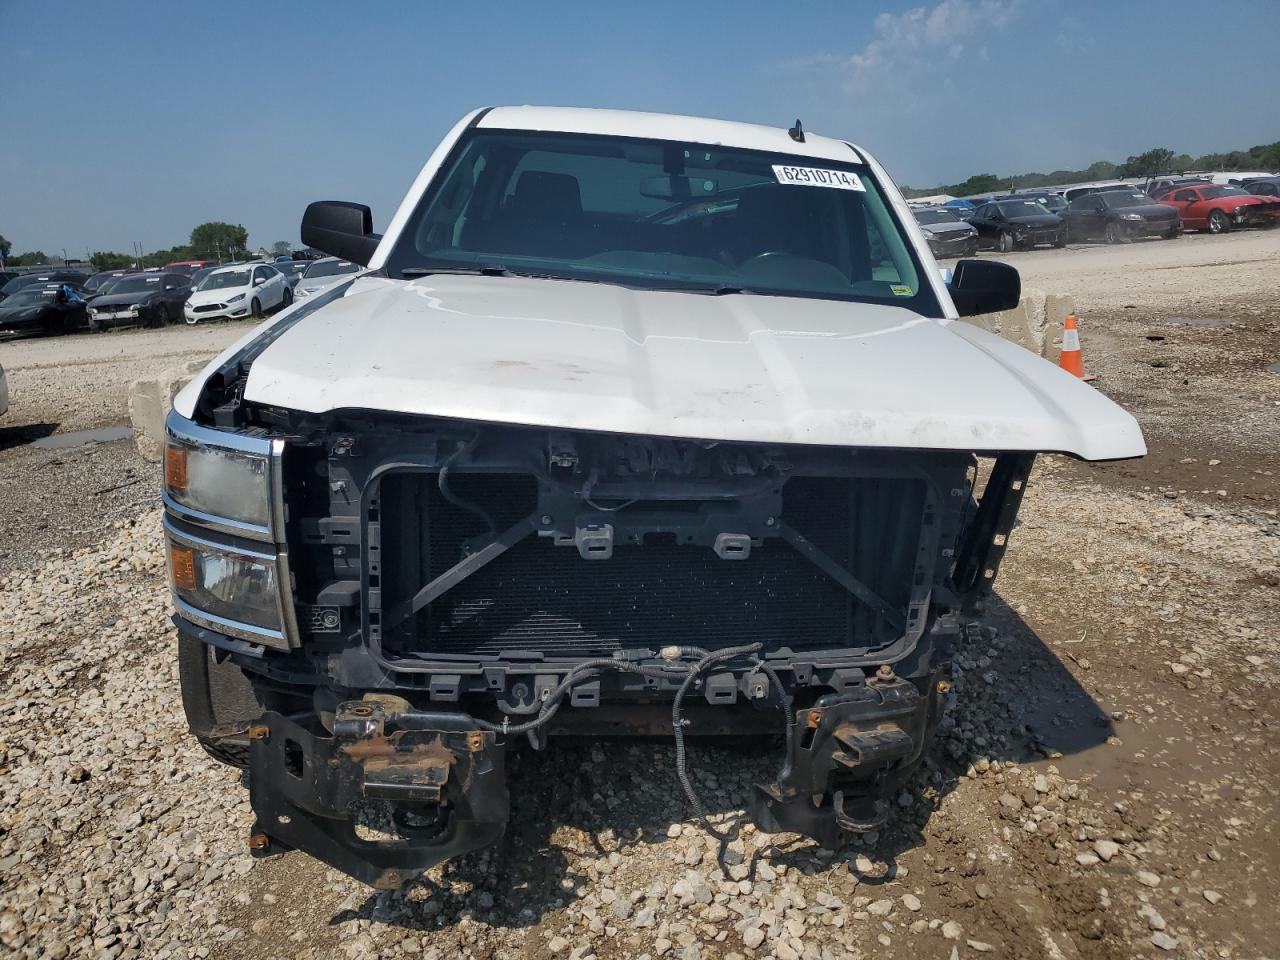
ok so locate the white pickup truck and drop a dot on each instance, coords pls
(630, 424)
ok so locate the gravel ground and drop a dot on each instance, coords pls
(65, 496)
(1104, 786)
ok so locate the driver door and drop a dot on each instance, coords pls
(1193, 207)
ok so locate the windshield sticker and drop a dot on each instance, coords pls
(898, 290)
(814, 177)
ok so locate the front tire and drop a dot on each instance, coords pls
(255, 309)
(1219, 222)
(1115, 233)
(1005, 243)
(1060, 240)
(286, 300)
(216, 697)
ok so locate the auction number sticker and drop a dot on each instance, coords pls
(816, 177)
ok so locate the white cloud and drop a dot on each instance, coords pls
(926, 35)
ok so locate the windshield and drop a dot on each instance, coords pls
(329, 268)
(1021, 208)
(30, 295)
(1119, 199)
(17, 283)
(936, 216)
(1213, 193)
(662, 215)
(134, 285)
(224, 279)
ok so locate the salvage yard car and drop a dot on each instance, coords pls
(245, 290)
(1017, 225)
(323, 273)
(151, 299)
(632, 423)
(46, 308)
(946, 233)
(1220, 209)
(1118, 216)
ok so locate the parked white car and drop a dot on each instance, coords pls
(244, 290)
(321, 273)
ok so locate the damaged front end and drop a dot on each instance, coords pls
(450, 590)
(440, 776)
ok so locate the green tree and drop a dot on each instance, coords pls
(5, 247)
(219, 240)
(110, 261)
(158, 258)
(979, 183)
(1152, 163)
(281, 248)
(33, 259)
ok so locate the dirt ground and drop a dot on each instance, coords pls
(1104, 786)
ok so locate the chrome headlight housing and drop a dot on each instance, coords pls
(224, 527)
(238, 297)
(230, 589)
(219, 480)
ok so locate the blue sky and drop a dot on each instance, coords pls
(132, 122)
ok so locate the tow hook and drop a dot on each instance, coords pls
(843, 755)
(438, 775)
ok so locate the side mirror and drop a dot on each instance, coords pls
(258, 281)
(340, 229)
(984, 286)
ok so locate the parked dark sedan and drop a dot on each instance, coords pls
(153, 299)
(1017, 225)
(292, 270)
(98, 282)
(1052, 202)
(1262, 186)
(1118, 216)
(946, 233)
(42, 308)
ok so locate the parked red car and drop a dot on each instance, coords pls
(1219, 209)
(187, 267)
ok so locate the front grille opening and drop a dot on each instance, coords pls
(546, 599)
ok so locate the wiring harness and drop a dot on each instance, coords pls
(691, 662)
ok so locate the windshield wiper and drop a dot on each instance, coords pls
(716, 290)
(480, 270)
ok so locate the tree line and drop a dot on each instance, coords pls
(209, 241)
(1155, 162)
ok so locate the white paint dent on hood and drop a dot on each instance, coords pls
(591, 356)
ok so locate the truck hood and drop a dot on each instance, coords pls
(590, 356)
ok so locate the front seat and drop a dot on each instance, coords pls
(543, 217)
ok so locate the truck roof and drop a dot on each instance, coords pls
(666, 126)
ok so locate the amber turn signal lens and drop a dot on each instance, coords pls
(175, 468)
(182, 565)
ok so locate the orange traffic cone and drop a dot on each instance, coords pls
(1070, 359)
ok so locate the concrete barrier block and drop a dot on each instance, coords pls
(151, 399)
(1035, 323)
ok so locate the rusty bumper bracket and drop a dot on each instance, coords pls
(441, 774)
(843, 761)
